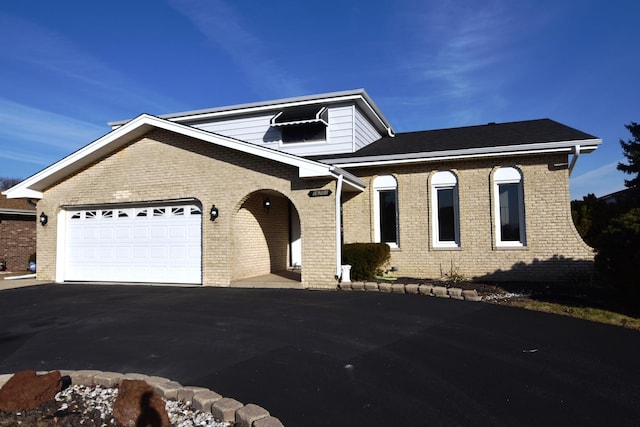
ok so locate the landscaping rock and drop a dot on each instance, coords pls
(225, 409)
(471, 295)
(397, 288)
(411, 288)
(426, 289)
(440, 292)
(371, 286)
(357, 286)
(138, 404)
(455, 293)
(26, 390)
(248, 414)
(384, 287)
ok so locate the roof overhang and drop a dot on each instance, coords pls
(21, 212)
(34, 186)
(569, 147)
(358, 96)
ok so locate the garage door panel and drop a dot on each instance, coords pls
(135, 245)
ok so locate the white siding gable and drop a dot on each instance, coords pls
(348, 131)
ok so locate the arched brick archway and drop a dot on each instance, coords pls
(266, 236)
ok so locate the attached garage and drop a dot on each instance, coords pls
(152, 244)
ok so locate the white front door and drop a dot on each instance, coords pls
(136, 244)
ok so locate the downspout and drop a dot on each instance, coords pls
(338, 227)
(576, 154)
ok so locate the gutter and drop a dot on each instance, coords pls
(574, 159)
(338, 227)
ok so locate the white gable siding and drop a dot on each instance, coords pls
(254, 129)
(348, 130)
(365, 133)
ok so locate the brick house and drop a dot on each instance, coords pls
(220, 195)
(17, 233)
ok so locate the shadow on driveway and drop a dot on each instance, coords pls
(336, 358)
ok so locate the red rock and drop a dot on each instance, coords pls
(27, 390)
(139, 405)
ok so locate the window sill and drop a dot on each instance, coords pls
(510, 248)
(446, 248)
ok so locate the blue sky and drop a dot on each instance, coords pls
(69, 67)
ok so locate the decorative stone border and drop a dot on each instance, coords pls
(223, 408)
(412, 288)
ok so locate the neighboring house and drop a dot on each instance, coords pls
(17, 233)
(220, 195)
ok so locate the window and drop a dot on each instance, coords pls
(385, 205)
(302, 124)
(509, 208)
(445, 227)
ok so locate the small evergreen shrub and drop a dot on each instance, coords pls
(366, 259)
(618, 253)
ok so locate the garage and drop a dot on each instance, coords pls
(154, 244)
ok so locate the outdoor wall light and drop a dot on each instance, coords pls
(213, 214)
(44, 219)
(266, 203)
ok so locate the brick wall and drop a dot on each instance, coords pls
(17, 240)
(554, 250)
(163, 165)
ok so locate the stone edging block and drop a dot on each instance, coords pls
(440, 292)
(455, 293)
(371, 286)
(223, 408)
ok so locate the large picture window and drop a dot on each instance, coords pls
(445, 227)
(385, 203)
(509, 208)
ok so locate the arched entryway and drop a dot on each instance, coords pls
(266, 241)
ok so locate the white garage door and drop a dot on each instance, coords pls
(145, 244)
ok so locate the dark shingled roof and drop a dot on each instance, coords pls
(471, 137)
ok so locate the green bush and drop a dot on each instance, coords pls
(618, 253)
(366, 259)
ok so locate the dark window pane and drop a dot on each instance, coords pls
(304, 132)
(509, 212)
(446, 219)
(388, 216)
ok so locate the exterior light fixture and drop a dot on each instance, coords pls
(266, 203)
(213, 214)
(44, 219)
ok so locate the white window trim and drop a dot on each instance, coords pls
(384, 183)
(442, 181)
(508, 175)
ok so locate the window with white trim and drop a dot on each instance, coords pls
(385, 210)
(509, 208)
(445, 225)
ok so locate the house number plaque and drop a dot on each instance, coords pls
(319, 193)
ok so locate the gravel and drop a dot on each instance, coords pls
(80, 405)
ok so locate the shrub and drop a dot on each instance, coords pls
(366, 259)
(618, 254)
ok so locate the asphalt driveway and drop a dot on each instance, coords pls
(336, 358)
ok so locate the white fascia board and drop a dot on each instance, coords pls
(32, 187)
(359, 96)
(17, 212)
(586, 146)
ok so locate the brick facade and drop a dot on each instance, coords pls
(245, 240)
(17, 233)
(554, 251)
(248, 240)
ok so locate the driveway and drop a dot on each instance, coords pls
(336, 358)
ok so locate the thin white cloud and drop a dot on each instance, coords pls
(600, 181)
(20, 123)
(459, 44)
(220, 24)
(47, 50)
